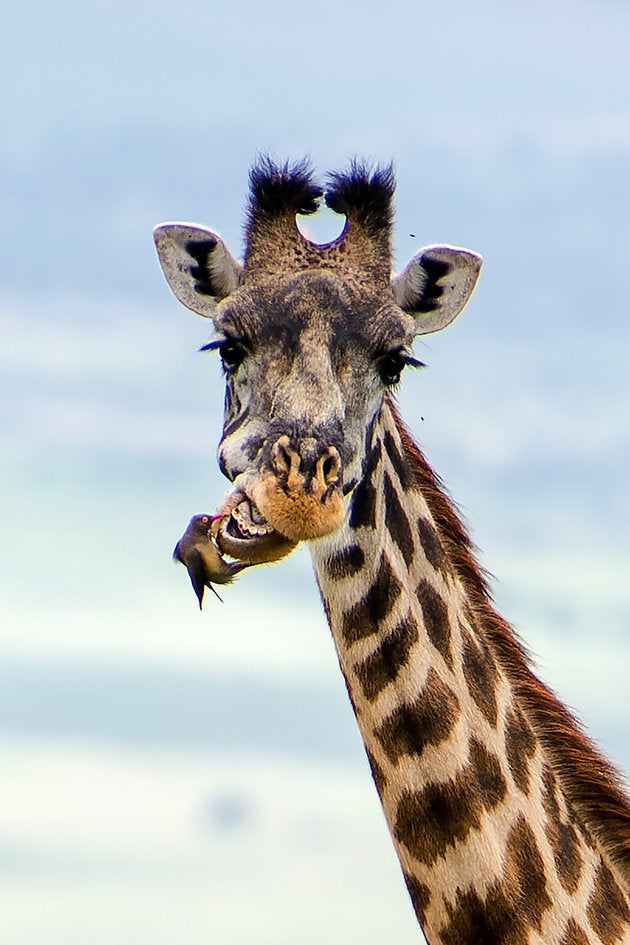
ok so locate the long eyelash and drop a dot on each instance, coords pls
(213, 345)
(410, 361)
(406, 357)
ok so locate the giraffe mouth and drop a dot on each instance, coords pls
(246, 521)
(243, 533)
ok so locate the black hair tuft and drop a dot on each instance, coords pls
(363, 193)
(280, 188)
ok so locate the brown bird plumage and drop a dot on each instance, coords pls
(202, 558)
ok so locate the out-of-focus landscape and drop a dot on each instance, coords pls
(170, 776)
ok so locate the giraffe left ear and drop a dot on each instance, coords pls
(435, 285)
(197, 265)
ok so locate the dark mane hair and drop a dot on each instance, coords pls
(363, 193)
(588, 779)
(282, 188)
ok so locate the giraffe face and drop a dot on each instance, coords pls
(311, 337)
(307, 362)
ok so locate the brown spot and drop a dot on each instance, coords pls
(397, 522)
(481, 675)
(608, 910)
(587, 837)
(525, 869)
(345, 563)
(427, 721)
(383, 666)
(432, 546)
(486, 774)
(595, 788)
(520, 747)
(366, 617)
(513, 904)
(566, 853)
(429, 821)
(436, 620)
(420, 896)
(377, 772)
(562, 836)
(399, 462)
(490, 920)
(550, 796)
(574, 934)
(363, 511)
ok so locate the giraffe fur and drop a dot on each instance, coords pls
(510, 826)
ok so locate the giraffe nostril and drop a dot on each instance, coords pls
(330, 465)
(283, 457)
(306, 464)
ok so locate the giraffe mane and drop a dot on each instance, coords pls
(588, 779)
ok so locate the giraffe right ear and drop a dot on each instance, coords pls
(435, 285)
(197, 265)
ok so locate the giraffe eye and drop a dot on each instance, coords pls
(232, 355)
(391, 364)
(390, 367)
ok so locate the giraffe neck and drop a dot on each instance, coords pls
(493, 846)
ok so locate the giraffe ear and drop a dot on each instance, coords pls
(436, 284)
(197, 264)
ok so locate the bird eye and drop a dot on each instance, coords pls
(232, 354)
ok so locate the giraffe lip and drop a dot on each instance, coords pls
(246, 535)
(246, 522)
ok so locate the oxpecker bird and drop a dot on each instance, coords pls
(198, 552)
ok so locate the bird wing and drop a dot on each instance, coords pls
(197, 571)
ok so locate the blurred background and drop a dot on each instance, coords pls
(170, 776)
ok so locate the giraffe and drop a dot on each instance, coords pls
(510, 827)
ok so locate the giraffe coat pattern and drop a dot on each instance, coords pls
(510, 827)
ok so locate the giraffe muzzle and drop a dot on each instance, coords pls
(295, 496)
(299, 491)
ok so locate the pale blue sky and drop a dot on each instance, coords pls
(140, 798)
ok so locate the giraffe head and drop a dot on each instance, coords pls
(311, 338)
